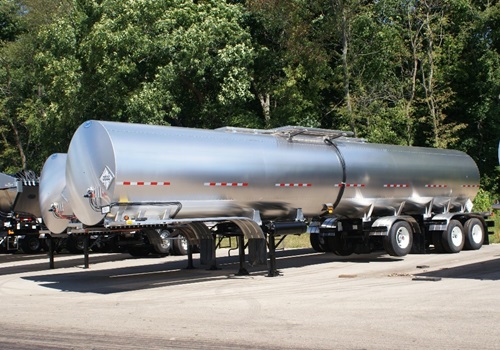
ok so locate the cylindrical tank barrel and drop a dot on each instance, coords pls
(19, 194)
(146, 171)
(53, 202)
(8, 192)
(390, 178)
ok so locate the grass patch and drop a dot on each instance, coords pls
(291, 241)
(296, 241)
(495, 238)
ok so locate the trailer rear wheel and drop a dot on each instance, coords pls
(165, 246)
(31, 244)
(453, 238)
(316, 243)
(338, 245)
(140, 251)
(399, 240)
(57, 245)
(75, 244)
(474, 234)
(181, 245)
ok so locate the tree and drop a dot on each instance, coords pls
(434, 16)
(367, 59)
(423, 72)
(291, 73)
(475, 79)
(10, 28)
(164, 62)
(21, 107)
(15, 85)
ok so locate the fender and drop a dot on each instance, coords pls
(440, 222)
(382, 225)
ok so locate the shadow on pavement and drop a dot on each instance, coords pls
(169, 273)
(483, 271)
(76, 259)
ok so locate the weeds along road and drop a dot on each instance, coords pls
(321, 301)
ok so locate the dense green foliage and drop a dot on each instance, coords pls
(411, 72)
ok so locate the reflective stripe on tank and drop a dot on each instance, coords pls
(293, 185)
(226, 184)
(143, 183)
(435, 186)
(473, 186)
(350, 185)
(396, 185)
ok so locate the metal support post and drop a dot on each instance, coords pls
(214, 267)
(86, 244)
(190, 257)
(51, 252)
(273, 272)
(241, 246)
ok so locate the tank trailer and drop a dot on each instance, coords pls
(60, 220)
(351, 196)
(20, 217)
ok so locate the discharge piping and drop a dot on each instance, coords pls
(344, 175)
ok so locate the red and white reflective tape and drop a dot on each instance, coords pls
(396, 185)
(471, 186)
(293, 185)
(143, 183)
(350, 185)
(435, 186)
(226, 184)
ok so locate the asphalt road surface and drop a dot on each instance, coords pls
(320, 301)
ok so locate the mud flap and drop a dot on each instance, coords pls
(207, 251)
(203, 237)
(257, 251)
(420, 246)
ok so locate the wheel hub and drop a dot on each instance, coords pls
(403, 237)
(456, 236)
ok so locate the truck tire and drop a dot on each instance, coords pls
(31, 244)
(399, 240)
(316, 243)
(165, 246)
(102, 247)
(75, 244)
(474, 234)
(140, 251)
(453, 238)
(57, 244)
(181, 245)
(339, 245)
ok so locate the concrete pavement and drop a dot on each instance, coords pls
(321, 301)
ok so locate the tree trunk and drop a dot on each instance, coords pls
(11, 123)
(428, 81)
(265, 102)
(18, 143)
(414, 42)
(345, 67)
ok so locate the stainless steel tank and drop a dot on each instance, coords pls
(8, 192)
(147, 172)
(54, 205)
(19, 194)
